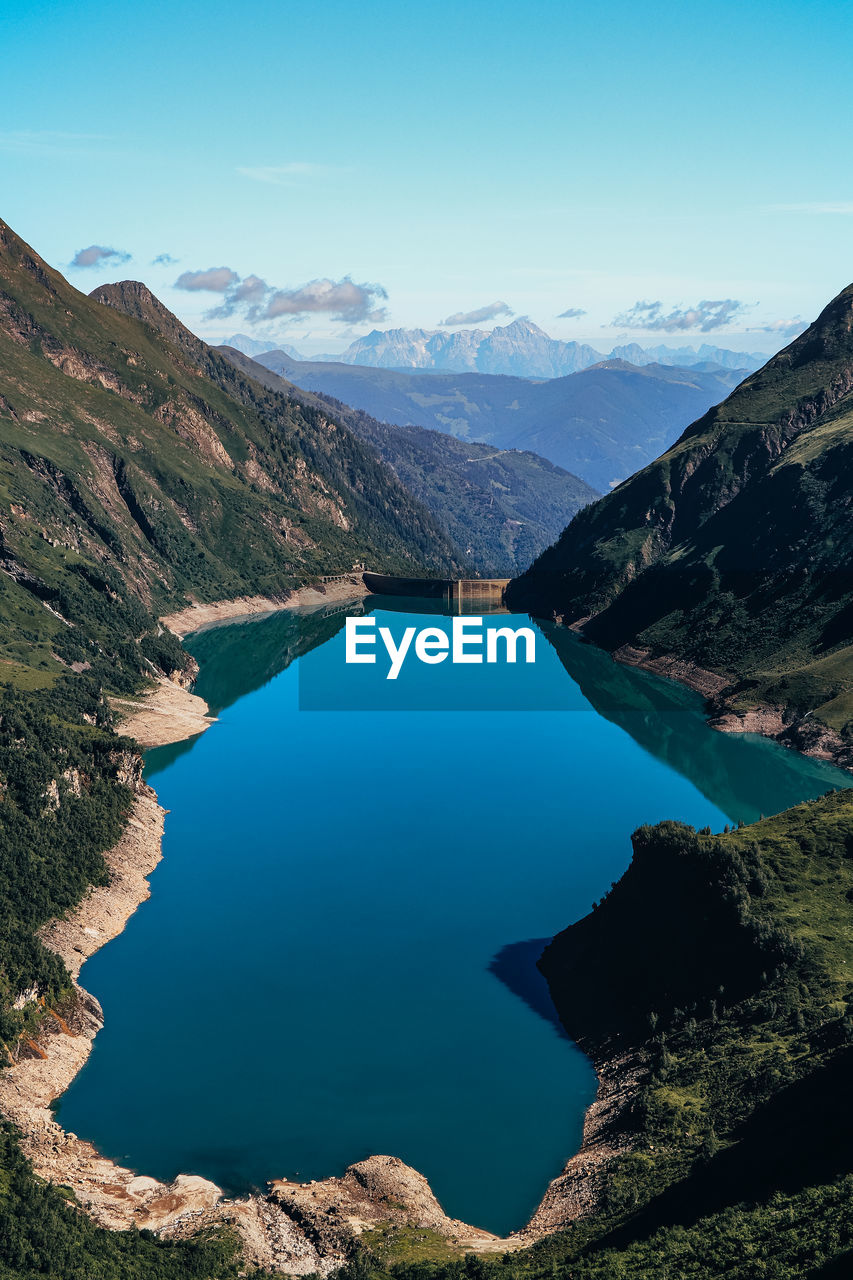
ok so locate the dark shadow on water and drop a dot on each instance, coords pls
(159, 758)
(515, 966)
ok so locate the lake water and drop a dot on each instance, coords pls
(338, 956)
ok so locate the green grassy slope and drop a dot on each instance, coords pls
(134, 472)
(734, 550)
(501, 507)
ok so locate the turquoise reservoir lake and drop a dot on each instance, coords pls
(338, 956)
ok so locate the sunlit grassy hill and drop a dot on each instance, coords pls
(137, 468)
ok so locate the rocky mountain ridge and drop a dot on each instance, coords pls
(138, 465)
(519, 349)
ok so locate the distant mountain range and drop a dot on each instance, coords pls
(519, 349)
(256, 346)
(501, 508)
(601, 424)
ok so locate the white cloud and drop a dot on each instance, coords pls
(784, 328)
(256, 301)
(489, 312)
(99, 255)
(341, 299)
(213, 280)
(705, 316)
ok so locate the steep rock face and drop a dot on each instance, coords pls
(690, 356)
(734, 550)
(520, 348)
(357, 490)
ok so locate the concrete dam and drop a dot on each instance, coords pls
(455, 591)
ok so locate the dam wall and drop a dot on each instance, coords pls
(487, 590)
(454, 590)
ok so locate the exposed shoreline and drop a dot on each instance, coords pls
(115, 1197)
(164, 714)
(168, 712)
(299, 1228)
(197, 616)
(779, 723)
(578, 1191)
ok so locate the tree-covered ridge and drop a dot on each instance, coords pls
(743, 983)
(66, 784)
(734, 550)
(65, 794)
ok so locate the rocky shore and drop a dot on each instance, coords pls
(114, 1196)
(167, 713)
(579, 1190)
(297, 1228)
(196, 615)
(780, 723)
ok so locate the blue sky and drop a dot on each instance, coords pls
(552, 157)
